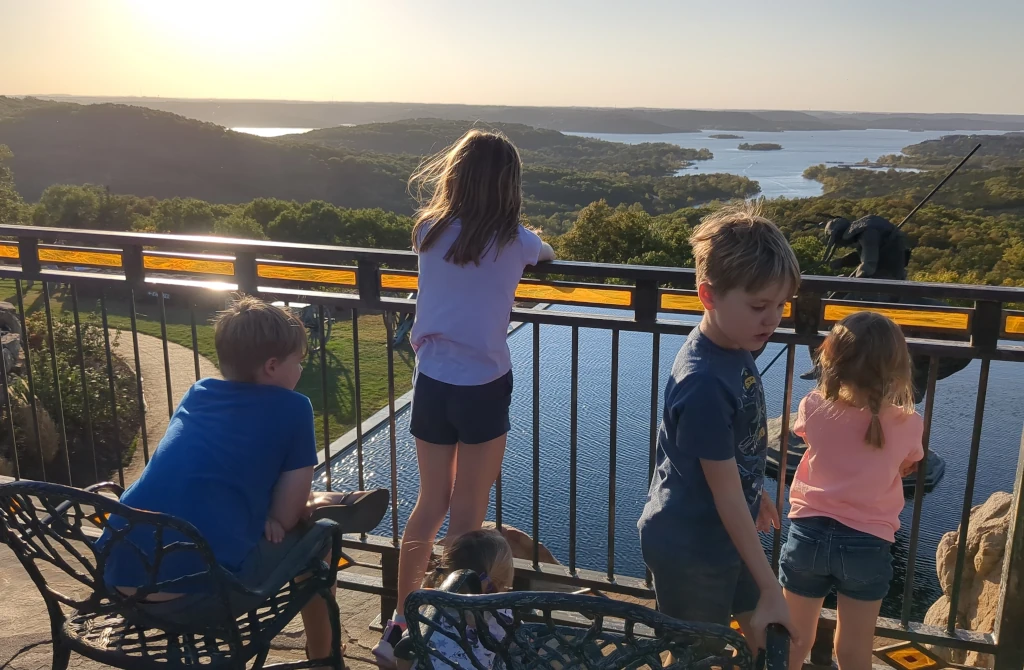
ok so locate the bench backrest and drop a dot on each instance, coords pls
(529, 630)
(59, 526)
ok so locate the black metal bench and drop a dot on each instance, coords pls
(557, 631)
(53, 530)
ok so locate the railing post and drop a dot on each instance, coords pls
(389, 580)
(1010, 654)
(368, 283)
(245, 272)
(986, 325)
(645, 299)
(28, 253)
(807, 313)
(131, 261)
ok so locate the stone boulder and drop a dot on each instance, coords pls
(522, 543)
(978, 606)
(49, 439)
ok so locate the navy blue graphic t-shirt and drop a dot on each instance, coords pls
(714, 410)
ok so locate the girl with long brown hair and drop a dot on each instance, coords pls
(472, 251)
(863, 435)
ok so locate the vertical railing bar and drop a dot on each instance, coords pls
(497, 501)
(391, 426)
(86, 408)
(10, 413)
(195, 338)
(613, 436)
(113, 391)
(28, 376)
(655, 391)
(653, 450)
(62, 431)
(965, 514)
(357, 400)
(167, 355)
(915, 524)
(536, 446)
(573, 444)
(138, 374)
(323, 395)
(787, 403)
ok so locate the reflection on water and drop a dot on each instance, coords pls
(951, 435)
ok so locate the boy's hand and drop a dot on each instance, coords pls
(767, 515)
(273, 531)
(771, 608)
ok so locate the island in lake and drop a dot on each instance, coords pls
(725, 136)
(762, 146)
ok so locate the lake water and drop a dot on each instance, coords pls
(780, 173)
(272, 132)
(951, 436)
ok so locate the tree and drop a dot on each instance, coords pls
(237, 224)
(10, 201)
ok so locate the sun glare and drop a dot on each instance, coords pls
(251, 27)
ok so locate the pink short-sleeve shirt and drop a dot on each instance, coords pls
(841, 476)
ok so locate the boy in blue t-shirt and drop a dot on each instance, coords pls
(698, 530)
(237, 463)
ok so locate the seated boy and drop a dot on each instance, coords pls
(697, 530)
(237, 463)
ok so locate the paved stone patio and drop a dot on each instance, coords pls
(25, 626)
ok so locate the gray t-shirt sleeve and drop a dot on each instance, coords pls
(704, 418)
(531, 245)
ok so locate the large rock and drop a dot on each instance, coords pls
(979, 589)
(522, 544)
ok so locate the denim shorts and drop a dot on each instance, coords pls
(449, 414)
(821, 553)
(695, 589)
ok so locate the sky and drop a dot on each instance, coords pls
(863, 55)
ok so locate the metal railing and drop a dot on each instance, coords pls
(124, 267)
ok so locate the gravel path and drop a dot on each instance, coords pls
(154, 385)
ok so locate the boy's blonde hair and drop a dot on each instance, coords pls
(250, 332)
(865, 362)
(477, 180)
(737, 247)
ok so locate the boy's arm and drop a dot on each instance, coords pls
(294, 484)
(724, 481)
(288, 502)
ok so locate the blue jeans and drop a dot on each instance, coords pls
(821, 553)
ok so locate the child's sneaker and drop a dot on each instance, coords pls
(384, 651)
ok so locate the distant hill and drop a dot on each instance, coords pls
(147, 153)
(141, 151)
(996, 151)
(271, 113)
(539, 147)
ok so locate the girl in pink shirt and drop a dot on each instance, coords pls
(863, 435)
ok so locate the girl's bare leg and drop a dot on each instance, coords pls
(480, 465)
(855, 632)
(437, 477)
(804, 612)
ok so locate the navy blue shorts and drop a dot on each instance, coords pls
(449, 414)
(695, 589)
(821, 553)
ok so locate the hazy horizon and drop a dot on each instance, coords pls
(45, 96)
(916, 56)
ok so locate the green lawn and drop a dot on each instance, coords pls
(373, 363)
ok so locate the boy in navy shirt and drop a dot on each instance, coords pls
(698, 530)
(237, 463)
